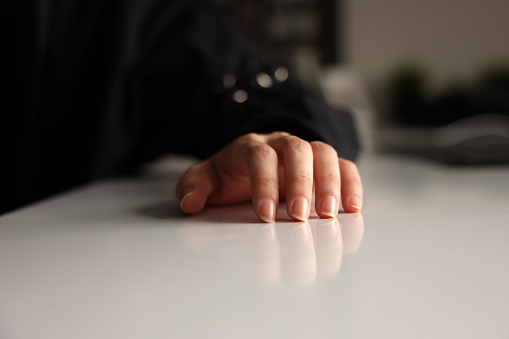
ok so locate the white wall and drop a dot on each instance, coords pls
(455, 38)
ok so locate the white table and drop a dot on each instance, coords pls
(428, 258)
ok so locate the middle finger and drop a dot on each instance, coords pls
(297, 157)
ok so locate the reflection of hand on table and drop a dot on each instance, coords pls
(263, 168)
(296, 253)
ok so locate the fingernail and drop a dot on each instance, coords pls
(300, 234)
(300, 208)
(355, 202)
(328, 206)
(268, 210)
(184, 198)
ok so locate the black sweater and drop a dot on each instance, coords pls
(100, 87)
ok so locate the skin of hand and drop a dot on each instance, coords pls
(266, 167)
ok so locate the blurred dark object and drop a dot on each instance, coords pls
(496, 76)
(280, 28)
(493, 91)
(407, 89)
(412, 104)
(464, 124)
(480, 139)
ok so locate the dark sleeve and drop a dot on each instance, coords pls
(199, 89)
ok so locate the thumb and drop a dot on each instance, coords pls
(195, 187)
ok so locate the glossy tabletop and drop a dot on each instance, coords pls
(427, 258)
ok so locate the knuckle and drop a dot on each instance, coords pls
(249, 137)
(351, 182)
(302, 179)
(194, 168)
(319, 146)
(268, 181)
(261, 151)
(296, 143)
(346, 163)
(279, 134)
(329, 179)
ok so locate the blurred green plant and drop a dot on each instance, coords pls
(410, 76)
(495, 75)
(408, 85)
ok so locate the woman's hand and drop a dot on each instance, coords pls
(264, 168)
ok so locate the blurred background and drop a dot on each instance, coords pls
(429, 78)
